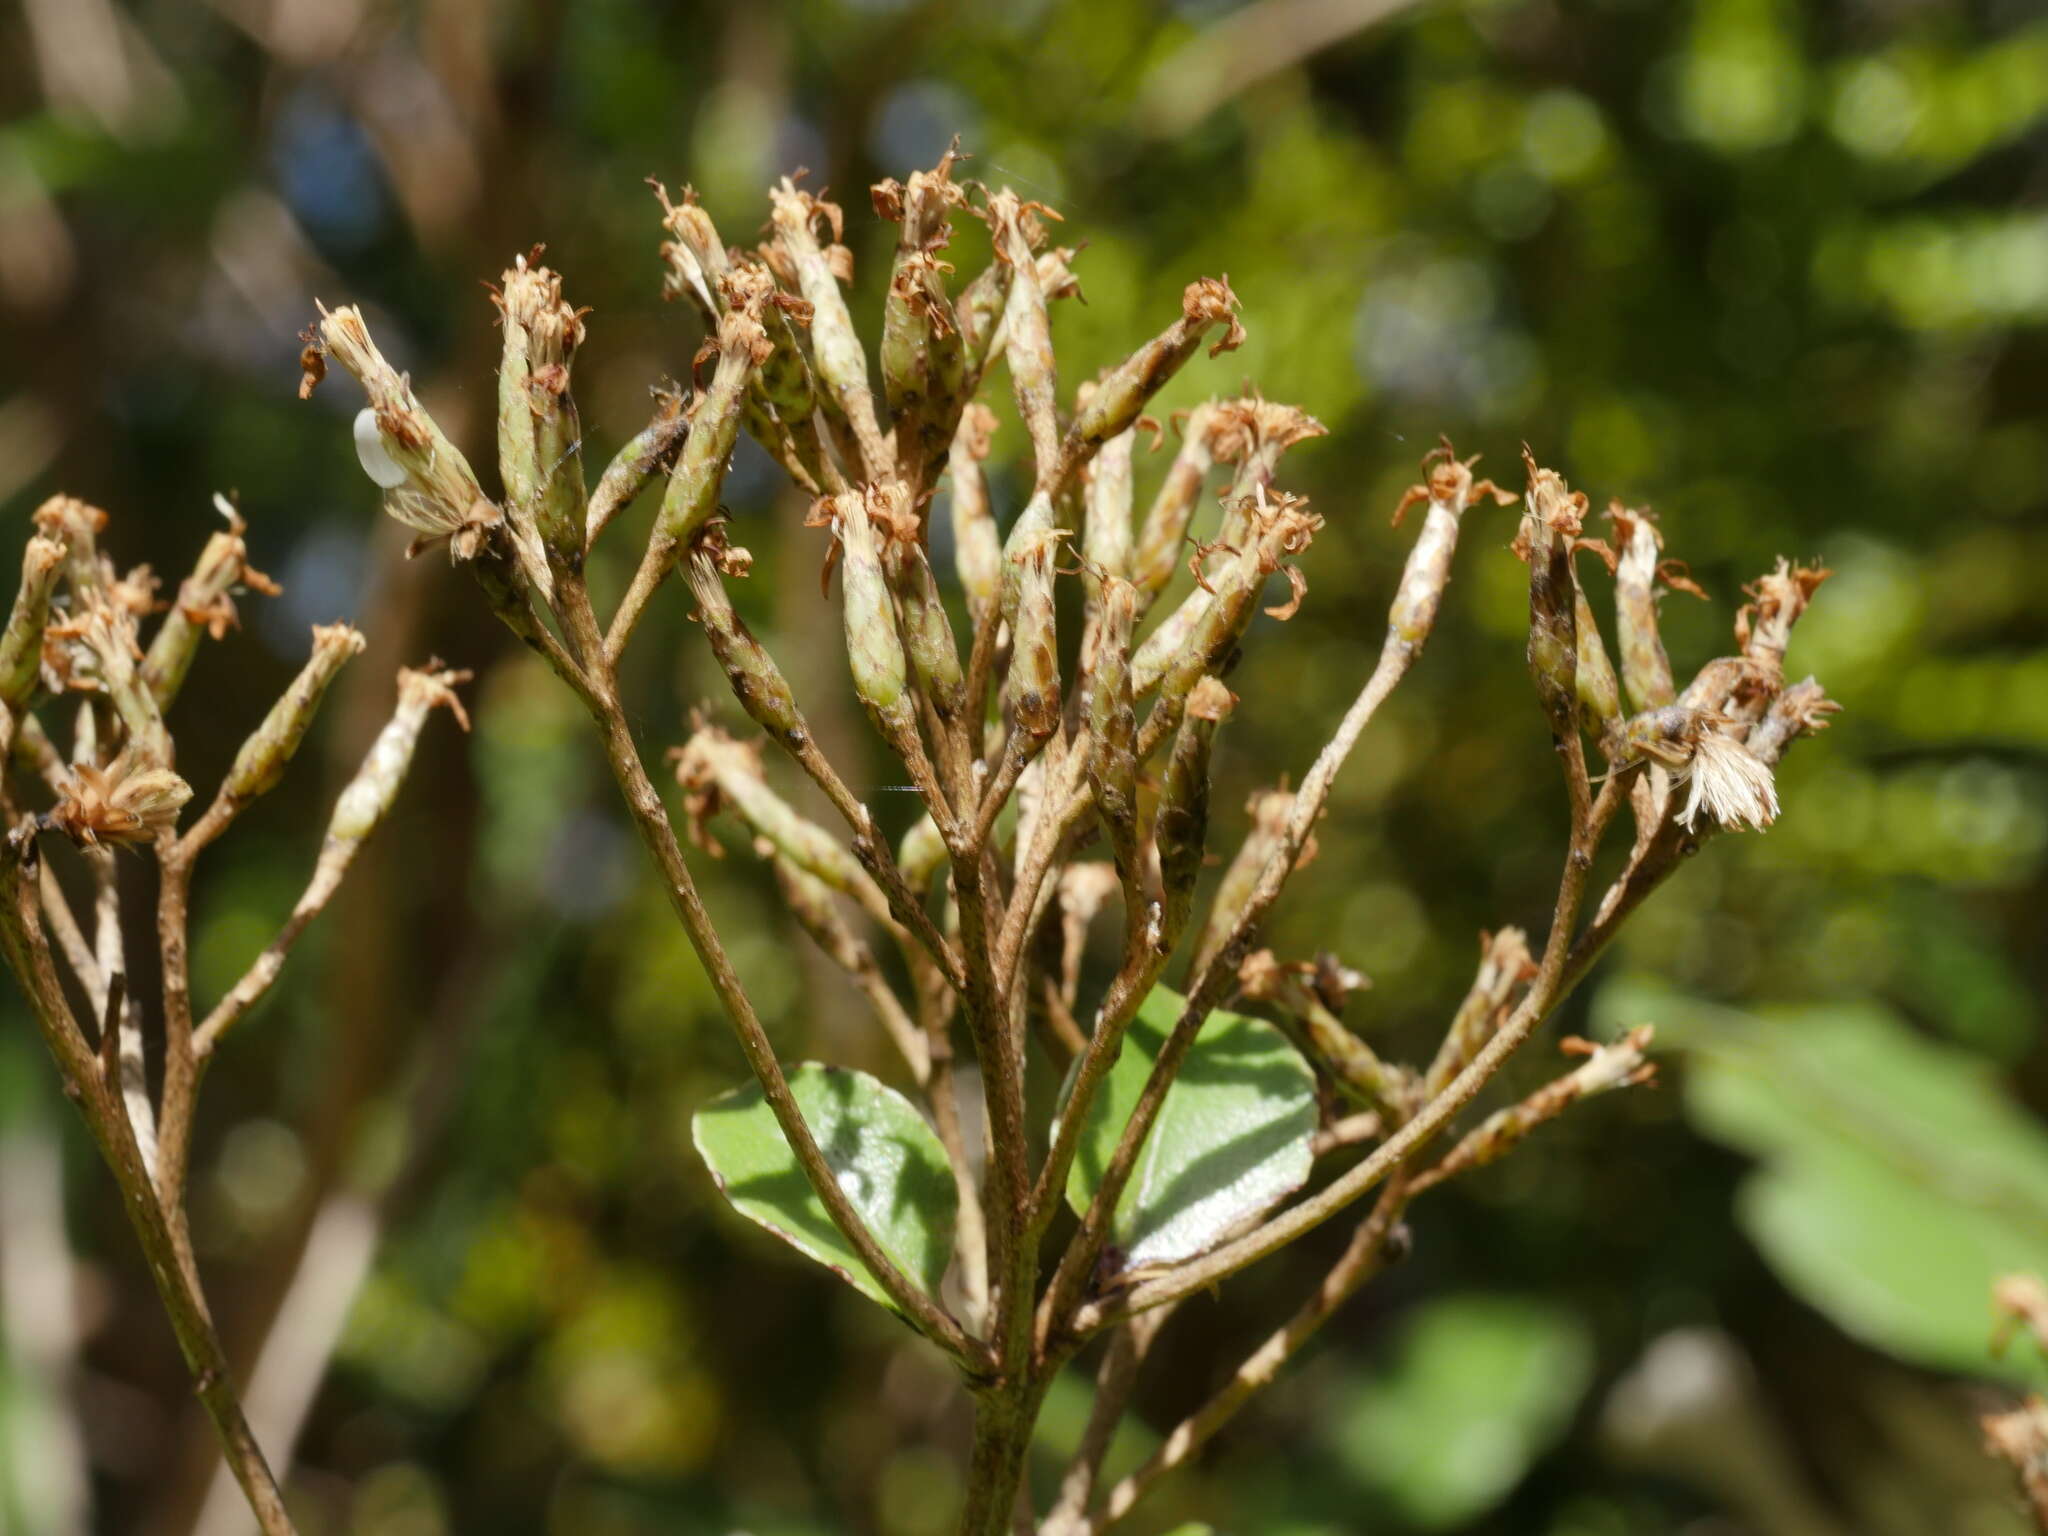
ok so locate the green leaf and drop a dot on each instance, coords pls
(1479, 1387)
(1897, 1181)
(886, 1158)
(1232, 1138)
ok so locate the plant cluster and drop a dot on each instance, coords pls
(1113, 1144)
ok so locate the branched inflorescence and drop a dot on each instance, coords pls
(73, 653)
(1054, 802)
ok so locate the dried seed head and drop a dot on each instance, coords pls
(1726, 779)
(1730, 784)
(132, 800)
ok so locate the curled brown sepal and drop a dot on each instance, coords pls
(132, 800)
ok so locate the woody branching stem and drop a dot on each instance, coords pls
(74, 632)
(1047, 799)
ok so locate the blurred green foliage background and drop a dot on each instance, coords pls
(1778, 270)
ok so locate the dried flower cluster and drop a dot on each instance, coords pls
(73, 651)
(1057, 805)
(1051, 801)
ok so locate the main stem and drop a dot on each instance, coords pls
(1003, 1421)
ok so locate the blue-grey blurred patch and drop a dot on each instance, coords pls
(1428, 329)
(588, 867)
(323, 576)
(917, 121)
(327, 170)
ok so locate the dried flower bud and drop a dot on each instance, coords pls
(1112, 721)
(1351, 1063)
(978, 316)
(1252, 434)
(756, 681)
(1270, 811)
(1106, 530)
(1598, 689)
(1645, 669)
(921, 853)
(1554, 518)
(1181, 826)
(696, 259)
(1032, 688)
(1206, 304)
(922, 358)
(21, 645)
(977, 548)
(1620, 1064)
(719, 773)
(1763, 627)
(693, 486)
(874, 646)
(1801, 710)
(1504, 964)
(540, 435)
(76, 525)
(650, 452)
(1448, 491)
(369, 796)
(438, 493)
(927, 632)
(1166, 523)
(203, 604)
(1200, 635)
(835, 346)
(1033, 373)
(133, 799)
(261, 761)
